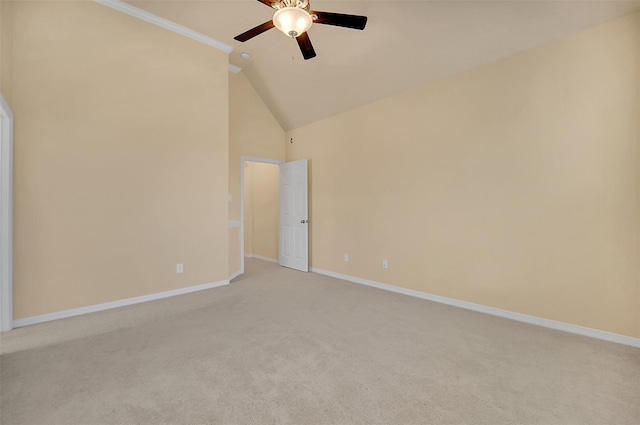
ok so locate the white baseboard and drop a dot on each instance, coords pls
(260, 257)
(113, 304)
(236, 274)
(547, 323)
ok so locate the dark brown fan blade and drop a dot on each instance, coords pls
(254, 31)
(305, 46)
(340, 20)
(267, 2)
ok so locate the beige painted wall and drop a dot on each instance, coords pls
(6, 37)
(265, 209)
(261, 205)
(253, 131)
(514, 185)
(121, 157)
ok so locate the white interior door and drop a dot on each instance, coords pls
(294, 228)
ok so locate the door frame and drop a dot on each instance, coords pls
(244, 159)
(6, 216)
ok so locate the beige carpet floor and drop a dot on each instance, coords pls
(283, 347)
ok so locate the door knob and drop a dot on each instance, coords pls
(304, 221)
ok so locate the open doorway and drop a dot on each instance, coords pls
(261, 194)
(259, 209)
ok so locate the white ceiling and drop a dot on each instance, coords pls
(405, 44)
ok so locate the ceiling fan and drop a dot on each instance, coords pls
(294, 18)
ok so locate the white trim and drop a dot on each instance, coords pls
(165, 23)
(539, 321)
(6, 216)
(244, 158)
(114, 304)
(236, 274)
(260, 257)
(234, 223)
(171, 26)
(265, 160)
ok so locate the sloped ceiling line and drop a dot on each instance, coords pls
(406, 44)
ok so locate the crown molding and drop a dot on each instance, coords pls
(171, 26)
(234, 68)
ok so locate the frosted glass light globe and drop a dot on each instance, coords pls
(292, 21)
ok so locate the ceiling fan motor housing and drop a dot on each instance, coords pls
(300, 4)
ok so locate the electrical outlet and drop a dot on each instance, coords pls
(179, 268)
(346, 257)
(385, 264)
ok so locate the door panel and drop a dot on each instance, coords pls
(294, 231)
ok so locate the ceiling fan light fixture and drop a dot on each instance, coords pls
(292, 21)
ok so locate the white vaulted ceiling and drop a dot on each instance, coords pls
(405, 44)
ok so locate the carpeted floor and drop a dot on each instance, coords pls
(282, 347)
